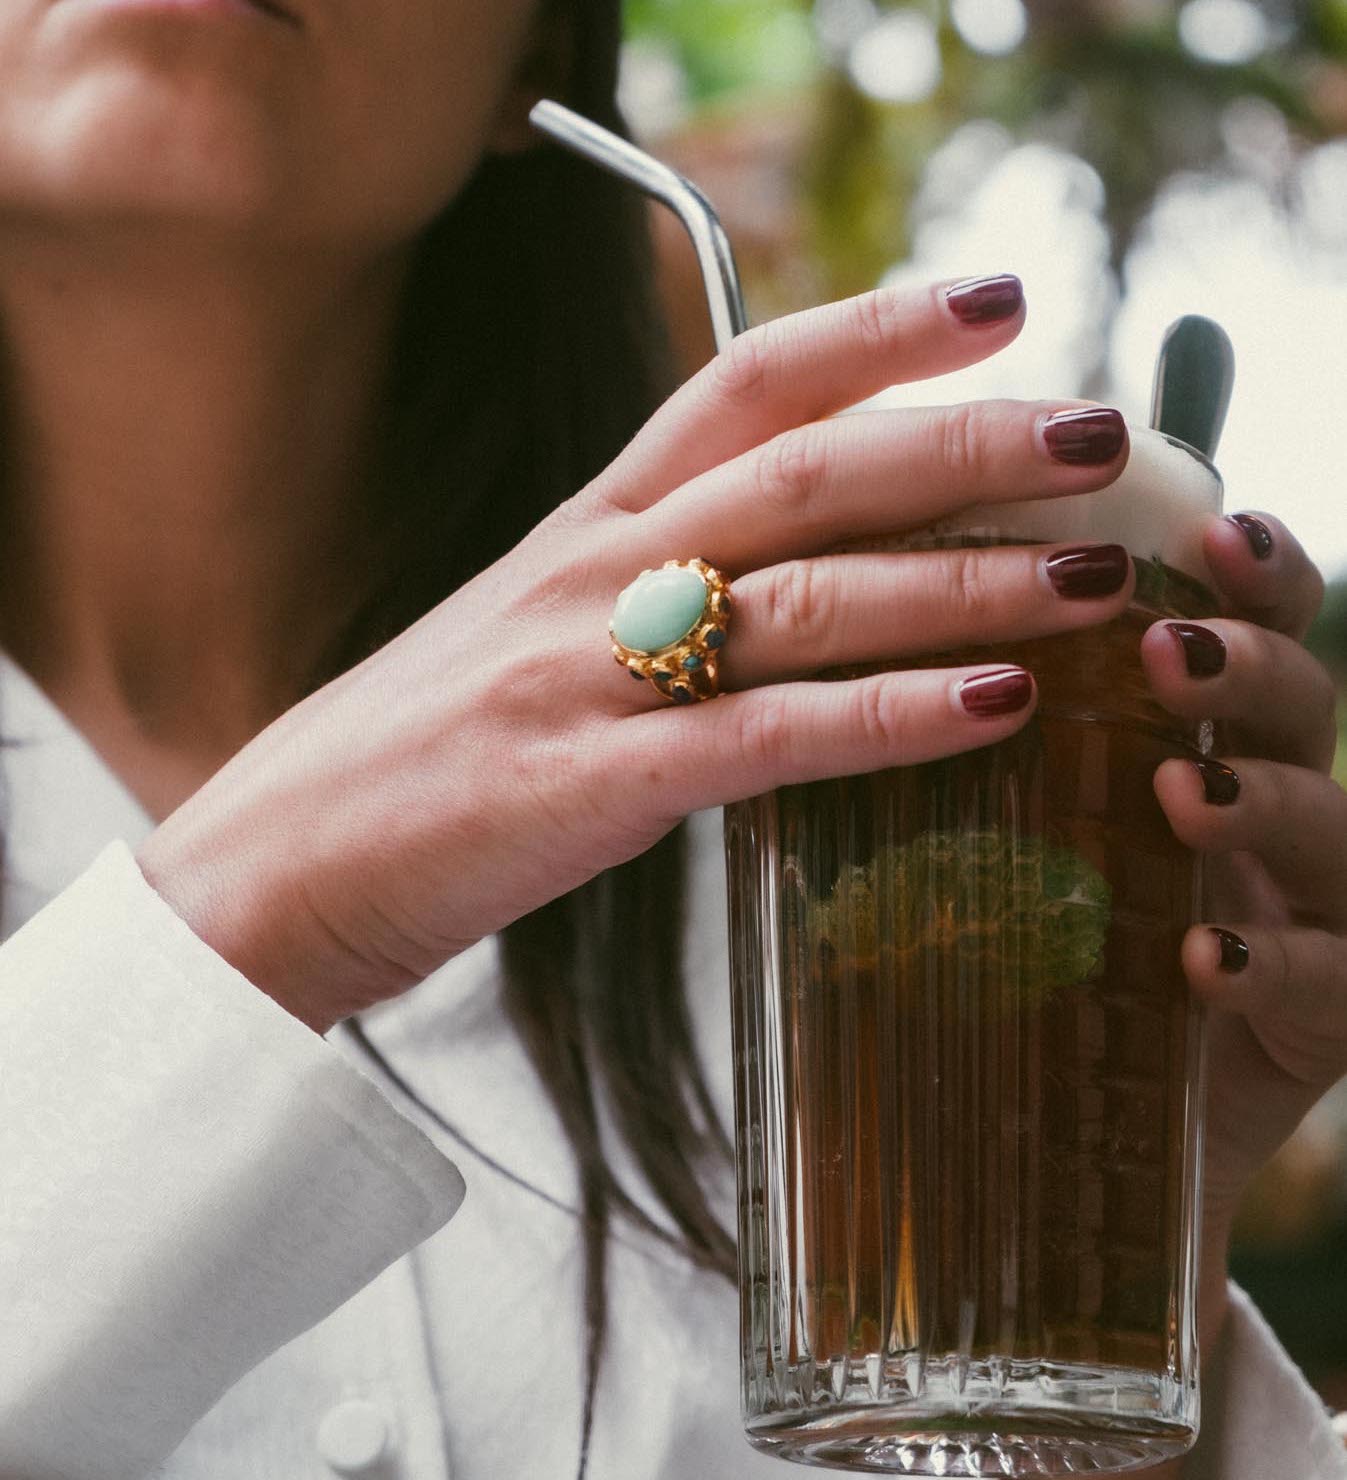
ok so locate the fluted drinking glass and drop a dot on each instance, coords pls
(968, 1065)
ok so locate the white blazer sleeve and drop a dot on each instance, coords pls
(189, 1178)
(1260, 1418)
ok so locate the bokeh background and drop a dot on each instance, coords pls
(1131, 160)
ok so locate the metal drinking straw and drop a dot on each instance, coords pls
(714, 254)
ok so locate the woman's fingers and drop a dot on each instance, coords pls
(1278, 699)
(1292, 819)
(882, 471)
(1262, 573)
(804, 615)
(743, 744)
(1287, 983)
(806, 366)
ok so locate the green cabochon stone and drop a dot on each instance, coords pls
(658, 609)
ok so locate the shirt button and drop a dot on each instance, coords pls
(353, 1437)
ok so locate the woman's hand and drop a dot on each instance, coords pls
(1272, 961)
(494, 756)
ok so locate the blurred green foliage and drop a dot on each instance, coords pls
(1327, 21)
(1110, 80)
(731, 46)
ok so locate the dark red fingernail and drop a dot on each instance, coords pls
(1234, 950)
(1219, 783)
(1203, 651)
(992, 694)
(986, 300)
(1086, 438)
(1256, 532)
(1088, 570)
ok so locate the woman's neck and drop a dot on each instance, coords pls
(186, 447)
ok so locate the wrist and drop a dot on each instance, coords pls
(226, 908)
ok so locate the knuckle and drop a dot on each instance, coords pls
(881, 721)
(553, 780)
(1325, 701)
(605, 495)
(1278, 802)
(764, 737)
(1301, 1009)
(802, 601)
(549, 593)
(1311, 707)
(790, 470)
(534, 672)
(961, 441)
(580, 508)
(870, 323)
(972, 591)
(1199, 827)
(1279, 977)
(741, 372)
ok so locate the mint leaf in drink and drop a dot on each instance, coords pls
(1027, 910)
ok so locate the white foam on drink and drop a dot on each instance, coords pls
(1156, 508)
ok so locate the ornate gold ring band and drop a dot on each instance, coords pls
(670, 625)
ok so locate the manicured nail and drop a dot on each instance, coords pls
(992, 694)
(1219, 783)
(1086, 438)
(1203, 651)
(986, 300)
(1088, 570)
(1234, 950)
(1256, 532)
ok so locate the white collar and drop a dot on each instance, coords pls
(62, 802)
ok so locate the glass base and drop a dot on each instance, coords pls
(1044, 1419)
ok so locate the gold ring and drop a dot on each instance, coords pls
(669, 626)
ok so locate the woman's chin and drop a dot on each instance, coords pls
(123, 158)
(116, 203)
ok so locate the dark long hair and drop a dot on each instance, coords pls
(530, 351)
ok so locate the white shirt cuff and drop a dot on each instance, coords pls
(189, 1177)
(1260, 1418)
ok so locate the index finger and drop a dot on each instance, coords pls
(805, 366)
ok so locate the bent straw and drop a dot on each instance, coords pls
(724, 296)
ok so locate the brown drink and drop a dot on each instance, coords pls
(968, 1075)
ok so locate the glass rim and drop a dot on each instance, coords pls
(1195, 453)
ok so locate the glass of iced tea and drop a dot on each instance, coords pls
(968, 1066)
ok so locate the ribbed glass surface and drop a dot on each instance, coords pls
(968, 1089)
